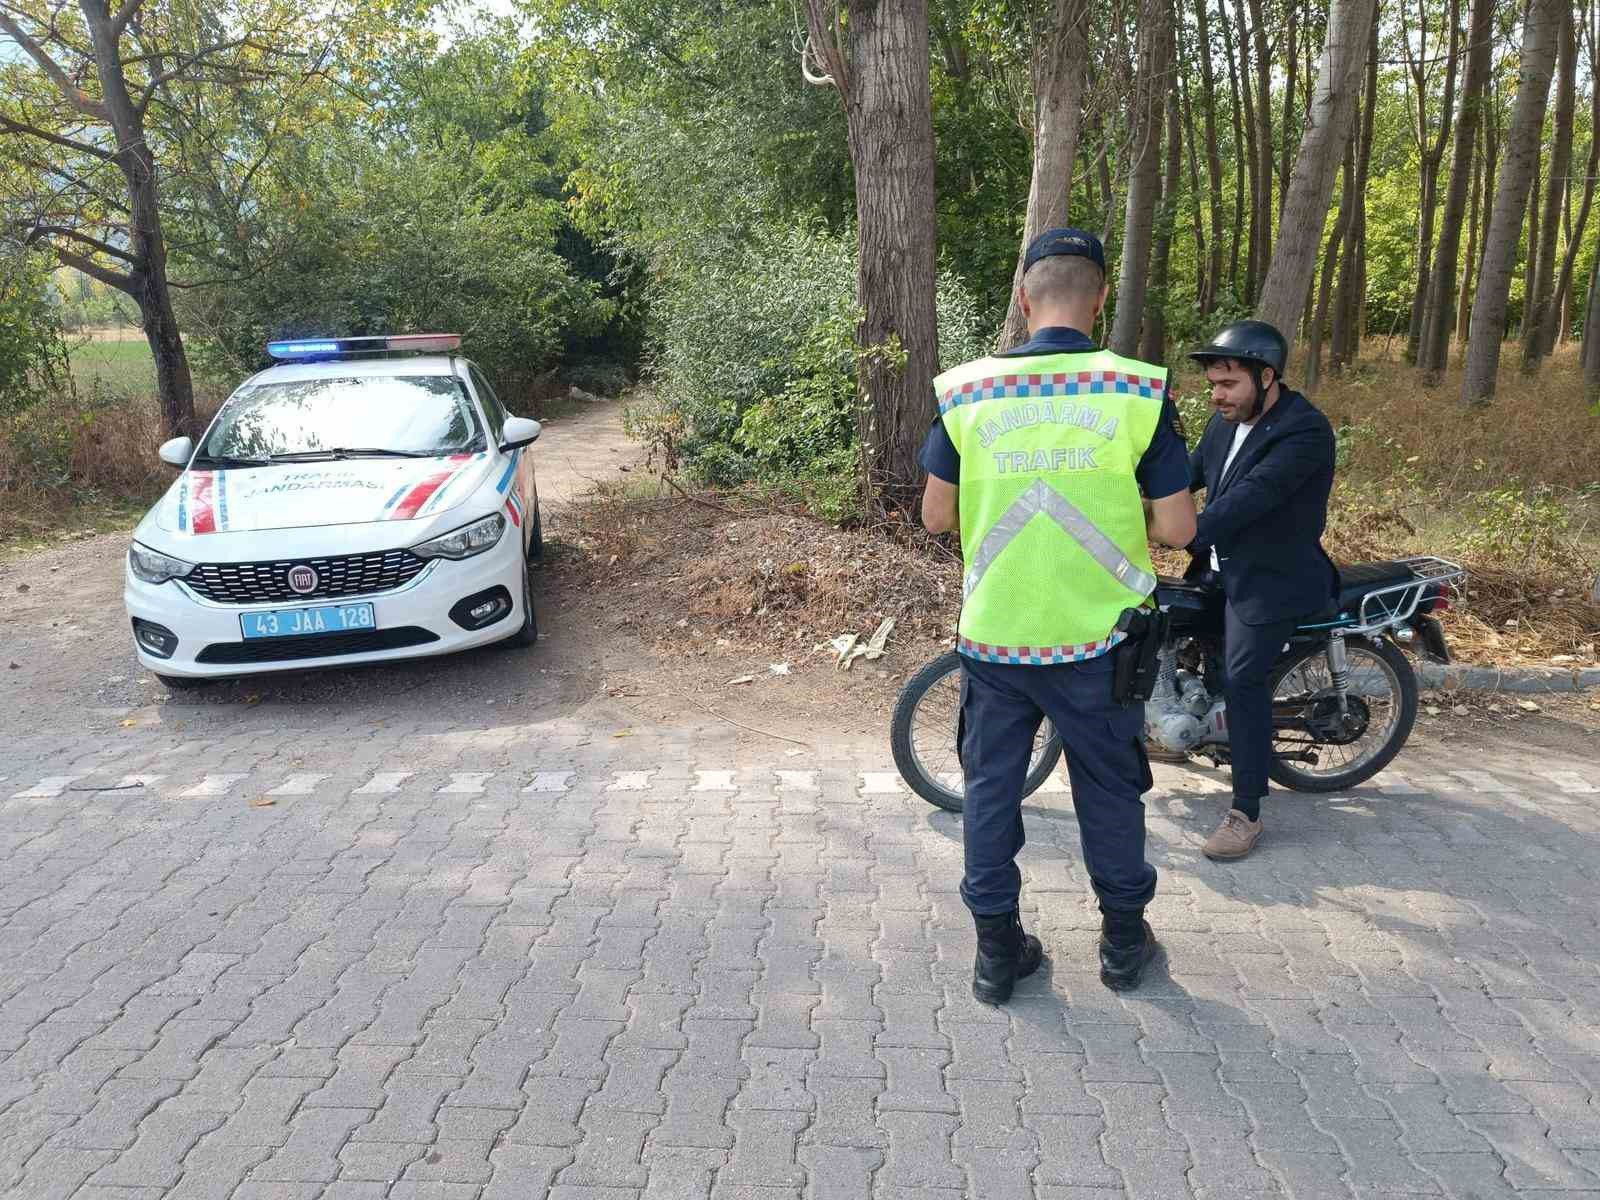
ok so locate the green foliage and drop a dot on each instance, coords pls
(33, 350)
(1521, 526)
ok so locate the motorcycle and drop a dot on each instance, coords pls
(1344, 694)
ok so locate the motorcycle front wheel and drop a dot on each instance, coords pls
(923, 736)
(1315, 747)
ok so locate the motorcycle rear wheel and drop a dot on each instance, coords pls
(922, 735)
(1385, 686)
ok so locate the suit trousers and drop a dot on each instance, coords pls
(1249, 654)
(1002, 706)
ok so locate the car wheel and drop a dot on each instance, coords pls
(528, 632)
(182, 683)
(536, 538)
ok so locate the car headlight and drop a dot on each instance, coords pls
(152, 566)
(470, 539)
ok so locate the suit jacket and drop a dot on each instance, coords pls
(1266, 515)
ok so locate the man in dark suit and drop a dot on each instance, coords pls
(1266, 463)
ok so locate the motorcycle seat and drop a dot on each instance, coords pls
(1358, 579)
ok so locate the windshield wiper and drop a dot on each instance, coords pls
(228, 462)
(336, 452)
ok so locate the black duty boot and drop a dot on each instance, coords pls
(1005, 955)
(1127, 943)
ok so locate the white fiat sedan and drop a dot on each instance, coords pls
(363, 499)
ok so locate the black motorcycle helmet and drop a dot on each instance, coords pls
(1253, 345)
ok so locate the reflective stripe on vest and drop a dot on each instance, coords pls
(1042, 498)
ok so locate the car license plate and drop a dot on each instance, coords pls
(297, 622)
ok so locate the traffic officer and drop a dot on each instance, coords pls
(1266, 462)
(1038, 459)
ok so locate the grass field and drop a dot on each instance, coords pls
(122, 366)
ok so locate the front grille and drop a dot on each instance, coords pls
(315, 645)
(267, 582)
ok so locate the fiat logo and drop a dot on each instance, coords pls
(303, 580)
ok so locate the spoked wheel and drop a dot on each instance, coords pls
(923, 735)
(1316, 747)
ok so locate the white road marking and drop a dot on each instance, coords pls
(1571, 782)
(298, 785)
(631, 781)
(47, 788)
(797, 781)
(466, 783)
(714, 781)
(210, 787)
(881, 783)
(383, 783)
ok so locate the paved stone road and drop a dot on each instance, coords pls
(458, 961)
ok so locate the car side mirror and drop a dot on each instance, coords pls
(177, 452)
(519, 431)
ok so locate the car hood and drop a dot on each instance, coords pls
(298, 495)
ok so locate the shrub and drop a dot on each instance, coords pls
(33, 348)
(753, 363)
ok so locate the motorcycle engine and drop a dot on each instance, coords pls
(1181, 713)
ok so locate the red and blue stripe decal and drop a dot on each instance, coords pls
(203, 502)
(514, 509)
(408, 499)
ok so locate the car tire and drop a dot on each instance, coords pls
(528, 632)
(183, 683)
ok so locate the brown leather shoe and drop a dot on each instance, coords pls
(1234, 838)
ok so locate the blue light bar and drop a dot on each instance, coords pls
(286, 351)
(322, 349)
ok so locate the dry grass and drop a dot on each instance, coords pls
(71, 459)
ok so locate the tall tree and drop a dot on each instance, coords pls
(1540, 34)
(1539, 302)
(876, 53)
(1153, 342)
(1059, 70)
(1328, 127)
(83, 110)
(1151, 82)
(1208, 106)
(1575, 237)
(1431, 150)
(1439, 312)
(1243, 114)
(1261, 226)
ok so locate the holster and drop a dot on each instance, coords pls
(1138, 658)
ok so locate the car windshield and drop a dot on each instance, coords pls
(363, 414)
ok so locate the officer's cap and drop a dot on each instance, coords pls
(1065, 241)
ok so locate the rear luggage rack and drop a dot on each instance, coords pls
(1385, 607)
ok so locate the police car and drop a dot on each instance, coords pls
(363, 499)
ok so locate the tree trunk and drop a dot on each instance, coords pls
(1291, 39)
(1265, 166)
(1591, 336)
(1344, 54)
(1575, 238)
(1539, 305)
(1469, 281)
(1202, 278)
(1253, 151)
(1435, 347)
(1530, 261)
(1144, 182)
(1330, 257)
(1432, 156)
(880, 64)
(1060, 65)
(1511, 198)
(1208, 100)
(1153, 343)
